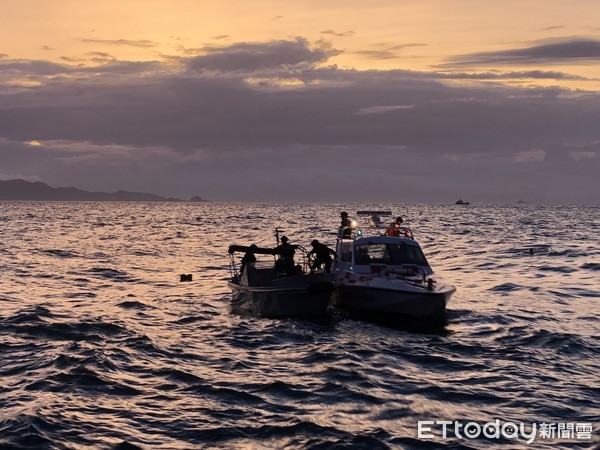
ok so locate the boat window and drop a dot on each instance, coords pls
(407, 254)
(393, 254)
(370, 253)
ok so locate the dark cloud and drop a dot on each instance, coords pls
(280, 127)
(557, 51)
(28, 67)
(527, 74)
(255, 56)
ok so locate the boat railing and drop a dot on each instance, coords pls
(235, 269)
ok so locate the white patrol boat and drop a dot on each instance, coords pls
(387, 276)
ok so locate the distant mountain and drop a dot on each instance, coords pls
(26, 190)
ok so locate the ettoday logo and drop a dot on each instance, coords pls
(503, 430)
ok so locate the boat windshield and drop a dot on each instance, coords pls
(390, 254)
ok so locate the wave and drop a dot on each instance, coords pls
(60, 253)
(111, 274)
(591, 266)
(32, 325)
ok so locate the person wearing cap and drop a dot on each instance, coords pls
(393, 228)
(286, 251)
(322, 255)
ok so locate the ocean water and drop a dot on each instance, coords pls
(101, 345)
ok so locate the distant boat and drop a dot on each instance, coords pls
(460, 201)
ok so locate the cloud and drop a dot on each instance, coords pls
(28, 67)
(386, 51)
(142, 43)
(378, 54)
(339, 135)
(534, 155)
(580, 50)
(582, 156)
(338, 34)
(382, 109)
(253, 56)
(525, 74)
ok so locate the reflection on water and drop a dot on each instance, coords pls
(101, 344)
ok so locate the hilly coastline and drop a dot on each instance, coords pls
(20, 190)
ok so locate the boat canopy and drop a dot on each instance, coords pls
(373, 213)
(252, 249)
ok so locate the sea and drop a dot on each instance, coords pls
(103, 347)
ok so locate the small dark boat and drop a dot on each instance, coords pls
(262, 288)
(460, 201)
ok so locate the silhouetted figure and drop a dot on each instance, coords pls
(286, 251)
(249, 257)
(346, 226)
(322, 256)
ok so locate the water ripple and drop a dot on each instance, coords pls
(103, 347)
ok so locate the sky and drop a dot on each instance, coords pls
(305, 101)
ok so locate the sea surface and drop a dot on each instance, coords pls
(102, 346)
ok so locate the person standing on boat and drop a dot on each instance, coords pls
(286, 251)
(346, 226)
(249, 257)
(322, 255)
(393, 228)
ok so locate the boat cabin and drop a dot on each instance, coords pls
(372, 254)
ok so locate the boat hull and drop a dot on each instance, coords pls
(395, 305)
(309, 299)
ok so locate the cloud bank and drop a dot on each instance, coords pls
(580, 50)
(271, 121)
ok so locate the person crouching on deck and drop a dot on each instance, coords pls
(322, 256)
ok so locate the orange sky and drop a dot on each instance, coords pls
(491, 100)
(389, 34)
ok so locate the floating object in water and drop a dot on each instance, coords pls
(185, 277)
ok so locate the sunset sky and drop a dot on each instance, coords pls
(337, 101)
